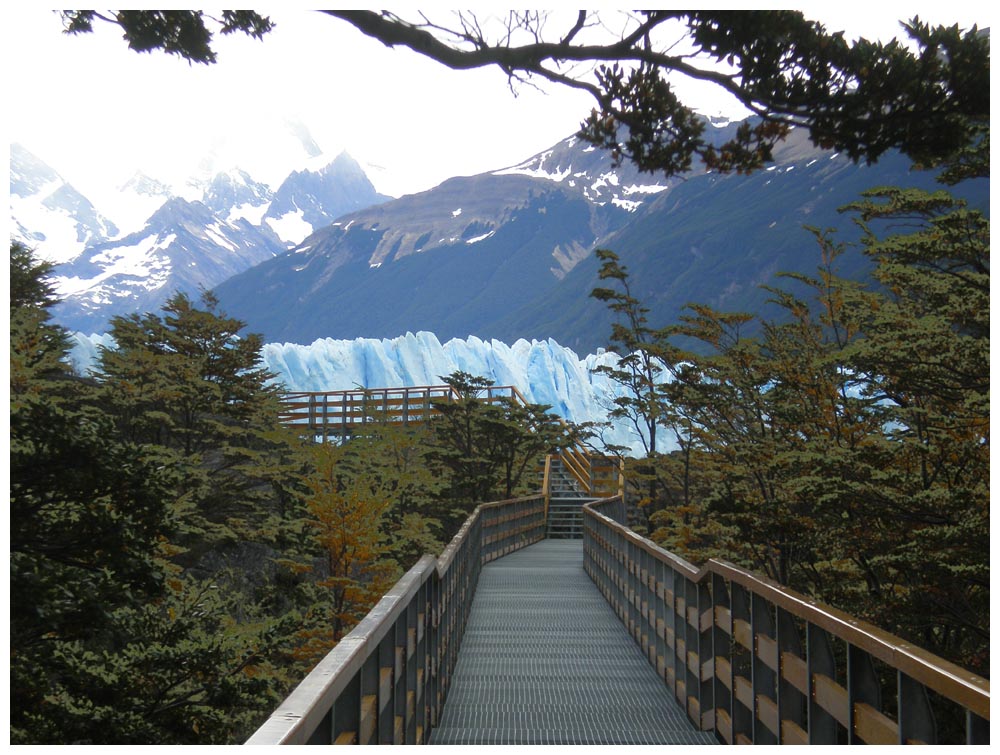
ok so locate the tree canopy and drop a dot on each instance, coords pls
(844, 450)
(178, 560)
(861, 98)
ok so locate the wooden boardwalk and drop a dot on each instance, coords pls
(544, 660)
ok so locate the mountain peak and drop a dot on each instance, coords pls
(48, 214)
(584, 169)
(146, 186)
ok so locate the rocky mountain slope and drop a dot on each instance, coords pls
(449, 260)
(506, 254)
(509, 254)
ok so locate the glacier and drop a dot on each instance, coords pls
(543, 371)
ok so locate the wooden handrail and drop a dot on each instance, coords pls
(706, 627)
(387, 680)
(340, 413)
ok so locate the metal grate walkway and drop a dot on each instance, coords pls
(544, 660)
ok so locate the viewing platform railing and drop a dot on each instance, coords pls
(759, 663)
(385, 682)
(341, 414)
(329, 415)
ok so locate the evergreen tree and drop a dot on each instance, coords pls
(490, 446)
(648, 363)
(646, 356)
(925, 358)
(845, 451)
(112, 640)
(87, 511)
(188, 383)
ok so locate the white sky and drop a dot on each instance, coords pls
(96, 111)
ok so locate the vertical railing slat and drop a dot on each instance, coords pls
(823, 727)
(791, 700)
(916, 716)
(763, 677)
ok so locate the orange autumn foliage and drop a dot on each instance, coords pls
(347, 523)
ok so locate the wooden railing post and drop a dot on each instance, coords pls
(705, 658)
(722, 639)
(862, 690)
(916, 717)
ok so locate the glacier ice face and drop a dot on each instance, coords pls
(543, 371)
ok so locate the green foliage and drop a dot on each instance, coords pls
(394, 464)
(178, 560)
(926, 357)
(177, 32)
(490, 445)
(845, 450)
(190, 384)
(647, 357)
(861, 98)
(37, 347)
(178, 670)
(347, 518)
(132, 620)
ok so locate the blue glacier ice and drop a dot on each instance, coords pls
(543, 371)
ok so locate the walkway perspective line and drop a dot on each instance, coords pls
(544, 660)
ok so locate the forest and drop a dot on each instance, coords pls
(179, 560)
(843, 449)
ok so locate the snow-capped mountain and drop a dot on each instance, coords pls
(590, 172)
(443, 260)
(137, 199)
(184, 247)
(717, 239)
(543, 371)
(311, 199)
(509, 254)
(506, 254)
(48, 214)
(180, 244)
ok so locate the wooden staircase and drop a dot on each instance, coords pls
(565, 501)
(571, 478)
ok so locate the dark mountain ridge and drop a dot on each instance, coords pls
(509, 254)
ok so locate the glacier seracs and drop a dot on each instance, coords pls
(543, 371)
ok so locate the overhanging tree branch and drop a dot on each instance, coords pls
(861, 98)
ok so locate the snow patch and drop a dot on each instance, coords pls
(248, 212)
(643, 189)
(215, 235)
(141, 261)
(476, 239)
(535, 168)
(290, 227)
(627, 204)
